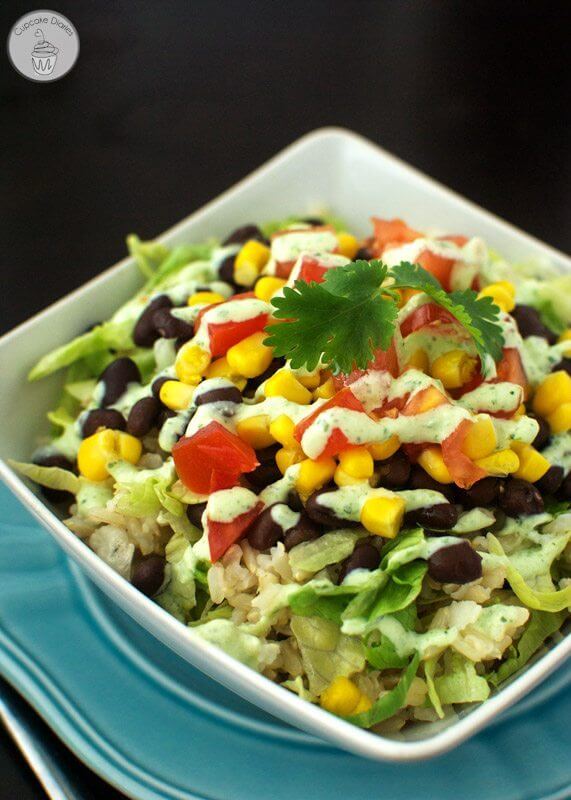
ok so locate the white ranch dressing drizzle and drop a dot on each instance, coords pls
(284, 517)
(227, 504)
(289, 246)
(493, 397)
(558, 451)
(346, 502)
(231, 311)
(328, 260)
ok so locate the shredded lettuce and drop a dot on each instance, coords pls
(460, 683)
(178, 258)
(388, 704)
(179, 595)
(51, 477)
(381, 652)
(148, 255)
(328, 549)
(238, 643)
(143, 492)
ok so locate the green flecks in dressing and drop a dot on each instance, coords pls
(558, 451)
(493, 397)
(521, 429)
(346, 502)
(227, 504)
(284, 517)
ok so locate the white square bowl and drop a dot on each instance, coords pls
(353, 178)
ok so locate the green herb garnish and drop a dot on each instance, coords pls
(353, 313)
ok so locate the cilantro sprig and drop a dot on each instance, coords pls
(353, 313)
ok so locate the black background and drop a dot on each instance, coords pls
(171, 102)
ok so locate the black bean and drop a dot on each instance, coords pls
(164, 414)
(394, 471)
(264, 475)
(364, 253)
(194, 514)
(544, 433)
(253, 383)
(267, 454)
(304, 531)
(244, 234)
(551, 481)
(116, 377)
(364, 556)
(226, 270)
(499, 522)
(157, 385)
(294, 500)
(529, 323)
(143, 416)
(323, 515)
(102, 418)
(313, 221)
(565, 489)
(564, 365)
(55, 460)
(145, 334)
(419, 479)
(149, 574)
(227, 394)
(457, 563)
(171, 327)
(520, 498)
(440, 517)
(484, 492)
(264, 532)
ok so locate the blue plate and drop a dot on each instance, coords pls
(157, 729)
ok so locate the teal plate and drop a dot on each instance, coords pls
(157, 729)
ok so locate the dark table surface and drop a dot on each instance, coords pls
(171, 102)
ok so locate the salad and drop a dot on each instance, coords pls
(345, 462)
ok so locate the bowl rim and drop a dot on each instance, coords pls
(209, 658)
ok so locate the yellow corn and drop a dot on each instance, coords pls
(500, 464)
(105, 446)
(311, 381)
(250, 261)
(267, 287)
(453, 369)
(325, 391)
(481, 439)
(363, 705)
(383, 515)
(383, 450)
(282, 429)
(502, 293)
(286, 456)
(255, 431)
(191, 363)
(205, 299)
(284, 384)
(418, 360)
(532, 465)
(565, 336)
(343, 478)
(560, 419)
(176, 395)
(341, 697)
(406, 295)
(432, 462)
(221, 369)
(520, 410)
(250, 357)
(357, 462)
(314, 474)
(554, 390)
(348, 245)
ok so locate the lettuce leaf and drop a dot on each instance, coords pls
(328, 549)
(51, 477)
(178, 258)
(429, 672)
(238, 643)
(143, 492)
(388, 704)
(381, 652)
(179, 595)
(148, 255)
(460, 682)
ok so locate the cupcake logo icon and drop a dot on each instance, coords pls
(44, 54)
(43, 45)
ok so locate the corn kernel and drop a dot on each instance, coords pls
(383, 516)
(250, 261)
(383, 450)
(267, 287)
(431, 461)
(105, 446)
(325, 391)
(191, 363)
(341, 697)
(500, 464)
(357, 462)
(481, 439)
(418, 360)
(255, 431)
(453, 369)
(282, 429)
(560, 419)
(405, 295)
(520, 410)
(176, 395)
(221, 369)
(502, 293)
(284, 384)
(343, 478)
(554, 390)
(314, 474)
(311, 381)
(348, 245)
(532, 465)
(205, 299)
(565, 336)
(363, 705)
(250, 357)
(285, 457)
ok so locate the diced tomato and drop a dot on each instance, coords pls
(510, 369)
(225, 335)
(391, 232)
(212, 459)
(202, 312)
(283, 269)
(421, 317)
(383, 360)
(222, 535)
(337, 440)
(458, 240)
(462, 469)
(438, 266)
(423, 401)
(311, 270)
